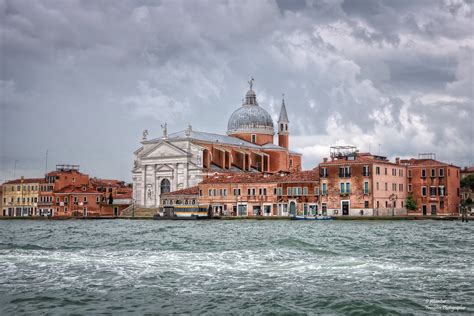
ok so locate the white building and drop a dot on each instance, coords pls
(180, 160)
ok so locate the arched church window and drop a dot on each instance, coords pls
(165, 186)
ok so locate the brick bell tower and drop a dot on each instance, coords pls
(283, 137)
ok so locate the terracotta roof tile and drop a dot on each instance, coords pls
(424, 162)
(298, 176)
(76, 190)
(26, 180)
(188, 191)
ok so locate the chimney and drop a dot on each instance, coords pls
(325, 159)
(397, 160)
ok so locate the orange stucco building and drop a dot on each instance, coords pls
(434, 185)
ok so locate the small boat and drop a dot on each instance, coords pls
(313, 218)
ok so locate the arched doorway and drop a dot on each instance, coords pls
(293, 208)
(165, 186)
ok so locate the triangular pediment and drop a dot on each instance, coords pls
(163, 168)
(162, 150)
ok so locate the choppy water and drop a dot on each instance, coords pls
(217, 267)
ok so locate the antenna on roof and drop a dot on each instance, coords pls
(14, 170)
(46, 164)
(427, 156)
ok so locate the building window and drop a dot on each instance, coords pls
(377, 186)
(394, 187)
(433, 173)
(441, 191)
(386, 171)
(165, 186)
(85, 199)
(386, 186)
(365, 171)
(262, 191)
(433, 191)
(410, 188)
(366, 187)
(366, 204)
(344, 172)
(325, 188)
(409, 173)
(400, 187)
(324, 172)
(378, 204)
(423, 173)
(400, 172)
(348, 187)
(305, 191)
(441, 172)
(394, 172)
(288, 191)
(237, 192)
(342, 187)
(423, 191)
(291, 162)
(316, 191)
(97, 199)
(377, 170)
(254, 138)
(223, 192)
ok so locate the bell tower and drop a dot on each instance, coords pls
(283, 139)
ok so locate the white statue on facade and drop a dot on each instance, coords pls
(165, 130)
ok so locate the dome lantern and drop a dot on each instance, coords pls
(250, 117)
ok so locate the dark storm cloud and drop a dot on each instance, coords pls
(84, 78)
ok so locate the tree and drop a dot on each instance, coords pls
(468, 182)
(411, 203)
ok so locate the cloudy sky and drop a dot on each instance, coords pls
(83, 79)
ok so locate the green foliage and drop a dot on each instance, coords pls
(468, 201)
(410, 203)
(468, 182)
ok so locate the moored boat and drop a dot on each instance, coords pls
(317, 218)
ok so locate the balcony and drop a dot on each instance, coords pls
(366, 174)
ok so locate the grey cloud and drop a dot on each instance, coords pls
(84, 78)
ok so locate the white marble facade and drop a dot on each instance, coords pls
(158, 161)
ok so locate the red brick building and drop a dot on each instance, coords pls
(67, 192)
(256, 194)
(361, 184)
(74, 201)
(434, 185)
